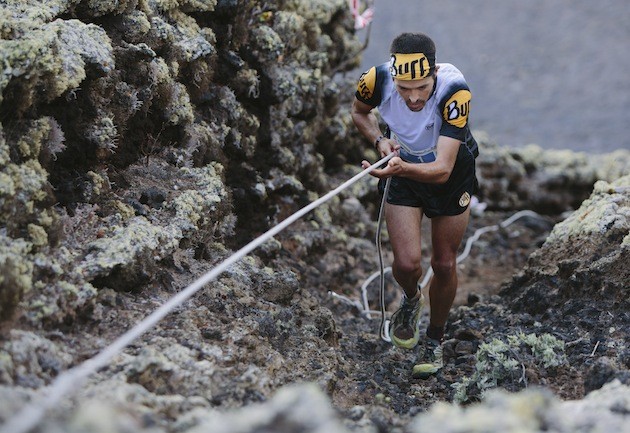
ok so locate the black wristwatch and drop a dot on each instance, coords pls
(378, 140)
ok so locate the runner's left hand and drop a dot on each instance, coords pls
(395, 167)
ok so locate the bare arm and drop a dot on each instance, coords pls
(437, 171)
(367, 124)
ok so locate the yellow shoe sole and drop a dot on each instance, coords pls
(424, 371)
(409, 343)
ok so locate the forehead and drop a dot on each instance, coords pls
(413, 84)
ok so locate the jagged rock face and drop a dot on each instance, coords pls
(142, 141)
(231, 95)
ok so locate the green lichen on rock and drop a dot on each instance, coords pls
(34, 360)
(29, 145)
(319, 11)
(20, 17)
(25, 194)
(190, 49)
(127, 244)
(290, 27)
(504, 363)
(16, 273)
(606, 212)
(136, 26)
(23, 188)
(59, 301)
(544, 180)
(611, 166)
(103, 133)
(37, 235)
(98, 8)
(52, 59)
(557, 162)
(198, 5)
(178, 110)
(60, 292)
(198, 208)
(157, 6)
(267, 46)
(531, 411)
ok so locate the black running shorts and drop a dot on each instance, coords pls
(448, 199)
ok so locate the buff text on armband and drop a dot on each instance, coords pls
(367, 82)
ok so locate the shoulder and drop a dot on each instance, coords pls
(450, 80)
(371, 84)
(454, 95)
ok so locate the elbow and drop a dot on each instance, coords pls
(443, 176)
(354, 116)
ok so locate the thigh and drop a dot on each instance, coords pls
(447, 233)
(403, 227)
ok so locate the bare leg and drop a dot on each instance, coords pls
(403, 226)
(446, 234)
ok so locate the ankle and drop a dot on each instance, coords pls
(435, 332)
(413, 298)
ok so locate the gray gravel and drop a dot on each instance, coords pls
(551, 72)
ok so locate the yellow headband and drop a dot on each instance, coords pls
(412, 66)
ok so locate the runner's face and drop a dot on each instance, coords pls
(415, 92)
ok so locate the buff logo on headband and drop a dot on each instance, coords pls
(412, 66)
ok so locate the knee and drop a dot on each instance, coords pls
(408, 266)
(443, 267)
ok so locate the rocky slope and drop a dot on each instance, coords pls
(144, 141)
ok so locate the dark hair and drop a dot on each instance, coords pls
(407, 43)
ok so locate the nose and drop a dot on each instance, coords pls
(414, 96)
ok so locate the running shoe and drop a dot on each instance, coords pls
(404, 328)
(432, 360)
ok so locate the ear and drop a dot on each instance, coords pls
(437, 68)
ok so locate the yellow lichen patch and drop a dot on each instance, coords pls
(123, 209)
(178, 110)
(103, 133)
(7, 188)
(198, 5)
(30, 144)
(608, 208)
(124, 245)
(319, 11)
(99, 8)
(16, 273)
(52, 59)
(25, 16)
(196, 207)
(38, 235)
(99, 183)
(29, 180)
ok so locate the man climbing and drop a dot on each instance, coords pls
(425, 107)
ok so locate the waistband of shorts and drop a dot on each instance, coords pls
(428, 155)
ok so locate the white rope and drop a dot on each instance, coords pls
(384, 327)
(480, 231)
(71, 379)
